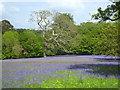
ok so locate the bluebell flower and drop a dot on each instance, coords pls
(111, 76)
(61, 75)
(118, 76)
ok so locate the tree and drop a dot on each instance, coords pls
(112, 12)
(107, 42)
(89, 33)
(5, 26)
(62, 32)
(0, 45)
(44, 19)
(55, 27)
(32, 43)
(11, 47)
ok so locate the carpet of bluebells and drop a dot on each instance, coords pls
(61, 72)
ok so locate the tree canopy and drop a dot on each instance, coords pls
(57, 29)
(112, 12)
(5, 26)
(58, 35)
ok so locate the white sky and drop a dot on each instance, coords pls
(18, 11)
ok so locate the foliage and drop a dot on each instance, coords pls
(24, 44)
(99, 38)
(89, 33)
(112, 12)
(32, 43)
(57, 30)
(10, 41)
(62, 37)
(44, 19)
(107, 43)
(5, 25)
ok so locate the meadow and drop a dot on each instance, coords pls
(60, 72)
(83, 45)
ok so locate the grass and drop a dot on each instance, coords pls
(68, 78)
(115, 68)
(71, 80)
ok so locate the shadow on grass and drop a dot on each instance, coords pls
(110, 59)
(106, 70)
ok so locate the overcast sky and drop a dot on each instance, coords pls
(18, 12)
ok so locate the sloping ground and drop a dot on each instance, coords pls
(16, 72)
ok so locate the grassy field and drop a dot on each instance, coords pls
(55, 73)
(69, 79)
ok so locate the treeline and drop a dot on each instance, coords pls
(87, 39)
(17, 44)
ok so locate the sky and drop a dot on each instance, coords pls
(18, 11)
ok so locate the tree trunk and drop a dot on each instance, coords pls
(44, 53)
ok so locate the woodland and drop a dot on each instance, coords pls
(59, 35)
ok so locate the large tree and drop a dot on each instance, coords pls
(112, 13)
(107, 42)
(11, 47)
(32, 43)
(56, 29)
(44, 19)
(63, 32)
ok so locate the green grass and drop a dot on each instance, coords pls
(106, 68)
(71, 80)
